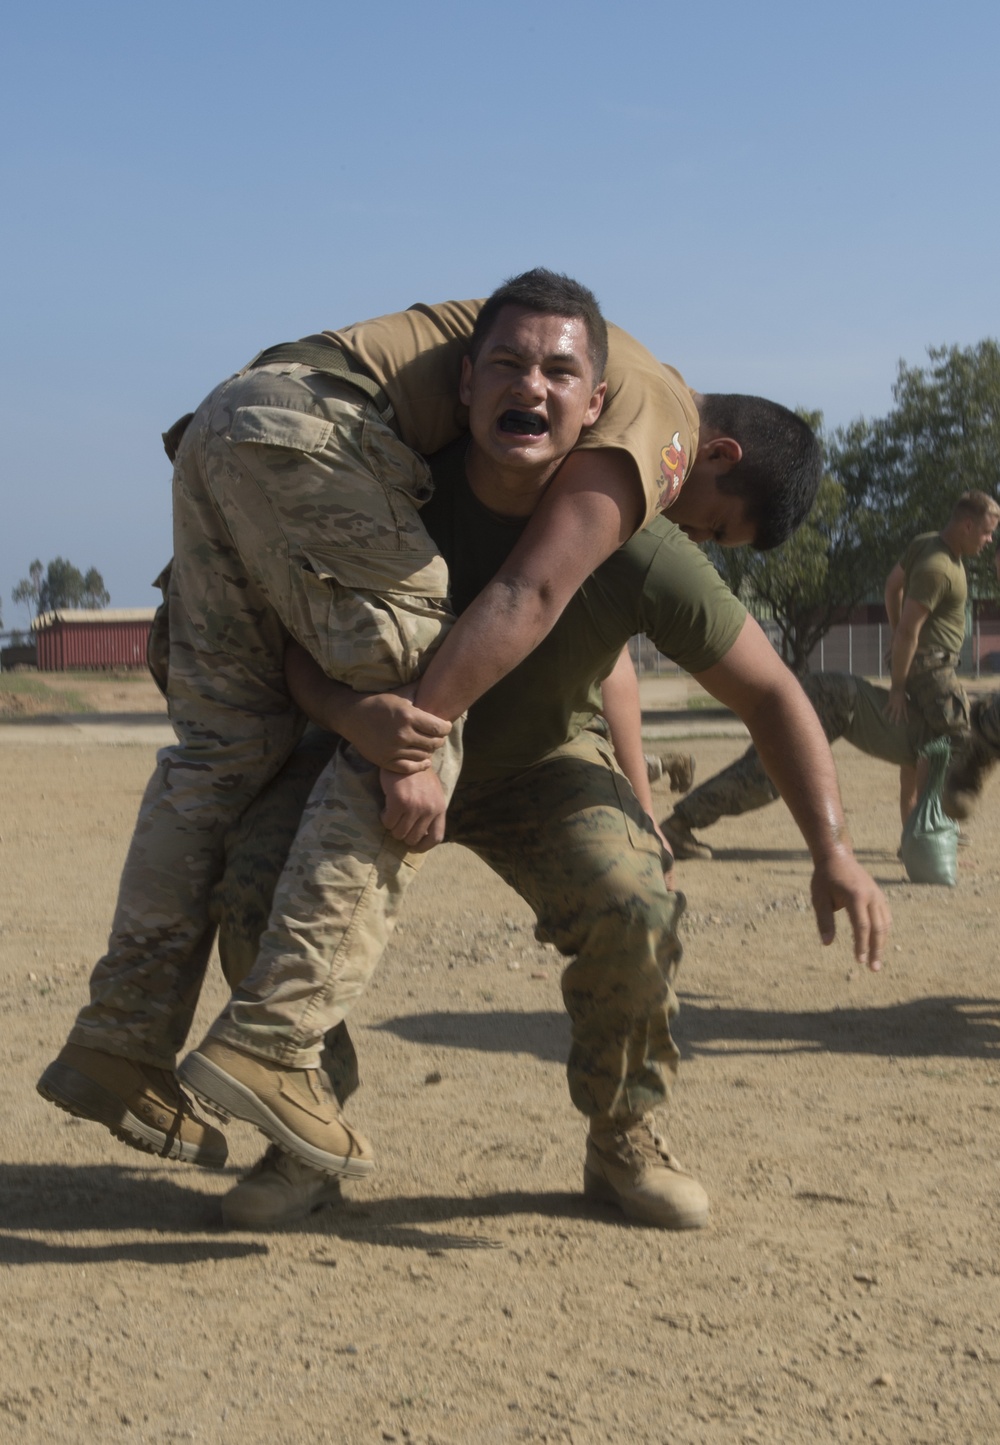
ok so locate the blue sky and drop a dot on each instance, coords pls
(781, 198)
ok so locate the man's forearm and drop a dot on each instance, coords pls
(796, 755)
(592, 507)
(895, 584)
(788, 736)
(324, 702)
(384, 727)
(793, 748)
(623, 713)
(904, 650)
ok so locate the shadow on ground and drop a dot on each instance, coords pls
(62, 1200)
(941, 1027)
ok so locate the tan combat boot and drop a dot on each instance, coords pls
(683, 843)
(628, 1164)
(295, 1108)
(142, 1106)
(280, 1189)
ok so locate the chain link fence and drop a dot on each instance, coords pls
(858, 647)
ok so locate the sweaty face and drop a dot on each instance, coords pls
(707, 514)
(530, 391)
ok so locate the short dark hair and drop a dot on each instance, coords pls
(551, 294)
(781, 466)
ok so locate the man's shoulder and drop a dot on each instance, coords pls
(927, 550)
(666, 561)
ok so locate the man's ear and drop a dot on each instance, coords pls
(726, 451)
(465, 381)
(596, 402)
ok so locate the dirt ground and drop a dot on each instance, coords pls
(845, 1125)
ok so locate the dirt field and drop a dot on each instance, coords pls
(845, 1125)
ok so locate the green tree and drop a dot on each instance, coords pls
(29, 589)
(941, 438)
(60, 585)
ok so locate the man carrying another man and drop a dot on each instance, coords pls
(541, 801)
(297, 488)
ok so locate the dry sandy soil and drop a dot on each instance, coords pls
(845, 1124)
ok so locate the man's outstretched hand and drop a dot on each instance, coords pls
(841, 882)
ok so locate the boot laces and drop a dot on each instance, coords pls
(168, 1089)
(646, 1142)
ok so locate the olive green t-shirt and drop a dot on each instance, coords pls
(416, 357)
(935, 577)
(658, 583)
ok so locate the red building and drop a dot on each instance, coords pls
(78, 638)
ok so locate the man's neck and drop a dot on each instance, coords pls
(508, 493)
(953, 539)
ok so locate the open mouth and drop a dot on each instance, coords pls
(523, 423)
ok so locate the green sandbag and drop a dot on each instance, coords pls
(929, 849)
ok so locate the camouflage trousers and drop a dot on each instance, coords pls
(569, 836)
(848, 707)
(295, 515)
(933, 688)
(988, 720)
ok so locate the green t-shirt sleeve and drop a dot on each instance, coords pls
(688, 612)
(929, 583)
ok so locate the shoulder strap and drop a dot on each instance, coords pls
(327, 356)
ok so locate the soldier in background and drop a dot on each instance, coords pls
(848, 707)
(925, 597)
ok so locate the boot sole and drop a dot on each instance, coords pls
(73, 1092)
(599, 1190)
(228, 1098)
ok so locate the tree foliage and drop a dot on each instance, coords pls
(941, 438)
(60, 585)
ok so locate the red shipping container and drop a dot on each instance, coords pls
(77, 639)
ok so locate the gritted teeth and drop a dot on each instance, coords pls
(523, 423)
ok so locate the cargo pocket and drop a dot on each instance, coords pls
(366, 641)
(420, 572)
(278, 426)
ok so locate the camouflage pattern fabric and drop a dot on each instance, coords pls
(848, 707)
(935, 691)
(241, 900)
(570, 837)
(334, 907)
(295, 513)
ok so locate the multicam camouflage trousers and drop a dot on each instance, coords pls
(295, 515)
(848, 707)
(570, 837)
